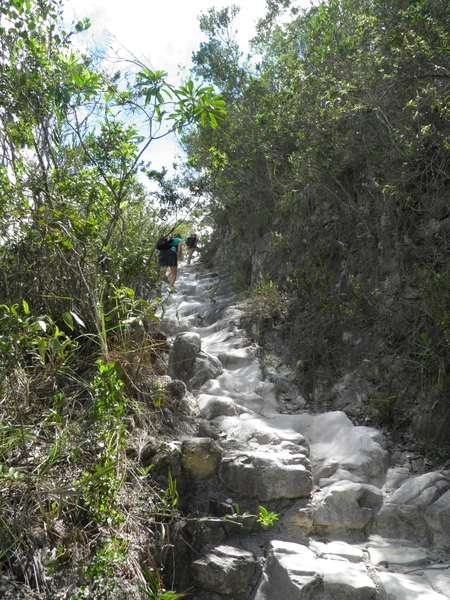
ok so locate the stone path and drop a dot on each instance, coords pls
(351, 525)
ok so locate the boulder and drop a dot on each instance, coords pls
(339, 450)
(298, 522)
(404, 514)
(437, 517)
(420, 490)
(266, 475)
(205, 367)
(395, 477)
(151, 448)
(347, 505)
(176, 389)
(185, 349)
(224, 570)
(433, 421)
(189, 363)
(212, 407)
(407, 587)
(250, 428)
(438, 577)
(349, 552)
(201, 457)
(391, 555)
(293, 572)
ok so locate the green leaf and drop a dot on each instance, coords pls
(212, 121)
(42, 347)
(54, 344)
(68, 320)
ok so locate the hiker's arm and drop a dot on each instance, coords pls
(180, 250)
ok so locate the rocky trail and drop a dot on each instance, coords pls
(354, 522)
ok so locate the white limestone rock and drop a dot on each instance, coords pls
(232, 358)
(438, 577)
(395, 477)
(266, 475)
(347, 505)
(293, 572)
(249, 428)
(189, 363)
(407, 587)
(212, 407)
(421, 490)
(410, 510)
(349, 552)
(437, 517)
(224, 570)
(397, 555)
(338, 447)
(241, 380)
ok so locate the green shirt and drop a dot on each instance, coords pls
(176, 241)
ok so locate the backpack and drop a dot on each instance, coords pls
(192, 239)
(165, 243)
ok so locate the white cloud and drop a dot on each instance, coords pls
(163, 33)
(166, 33)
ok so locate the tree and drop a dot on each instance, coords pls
(218, 61)
(337, 138)
(78, 330)
(74, 139)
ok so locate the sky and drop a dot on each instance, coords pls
(164, 33)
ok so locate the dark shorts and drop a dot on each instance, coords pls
(167, 258)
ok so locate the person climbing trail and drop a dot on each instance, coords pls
(169, 257)
(191, 243)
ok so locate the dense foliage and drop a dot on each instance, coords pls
(326, 184)
(79, 337)
(330, 176)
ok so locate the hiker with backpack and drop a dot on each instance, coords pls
(170, 252)
(191, 243)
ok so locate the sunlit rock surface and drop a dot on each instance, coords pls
(351, 525)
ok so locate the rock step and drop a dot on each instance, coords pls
(330, 479)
